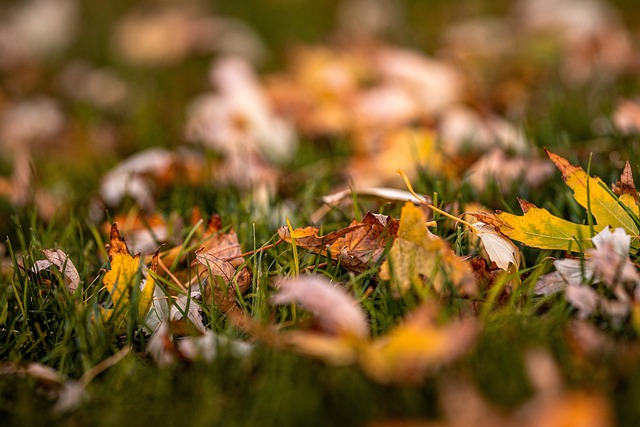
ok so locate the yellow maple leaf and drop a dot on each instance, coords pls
(538, 228)
(591, 193)
(417, 255)
(124, 275)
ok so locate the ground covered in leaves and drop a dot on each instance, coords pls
(320, 213)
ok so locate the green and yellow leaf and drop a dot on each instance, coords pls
(538, 228)
(591, 193)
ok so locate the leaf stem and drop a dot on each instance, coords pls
(405, 178)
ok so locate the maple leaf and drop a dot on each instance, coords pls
(540, 229)
(625, 188)
(123, 276)
(355, 247)
(591, 193)
(222, 256)
(418, 256)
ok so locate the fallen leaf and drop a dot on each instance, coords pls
(501, 250)
(626, 117)
(568, 271)
(419, 259)
(411, 350)
(166, 346)
(576, 408)
(505, 170)
(355, 247)
(538, 228)
(168, 34)
(610, 258)
(332, 200)
(336, 312)
(463, 127)
(584, 298)
(57, 24)
(146, 232)
(124, 275)
(64, 264)
(591, 194)
(131, 177)
(625, 188)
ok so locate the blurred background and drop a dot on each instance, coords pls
(249, 94)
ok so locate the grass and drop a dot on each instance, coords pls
(40, 321)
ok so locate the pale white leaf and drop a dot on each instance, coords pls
(336, 311)
(64, 264)
(165, 349)
(158, 312)
(574, 271)
(331, 200)
(501, 250)
(207, 346)
(187, 304)
(618, 239)
(70, 397)
(160, 345)
(549, 284)
(584, 298)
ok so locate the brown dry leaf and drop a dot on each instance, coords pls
(355, 247)
(221, 257)
(419, 259)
